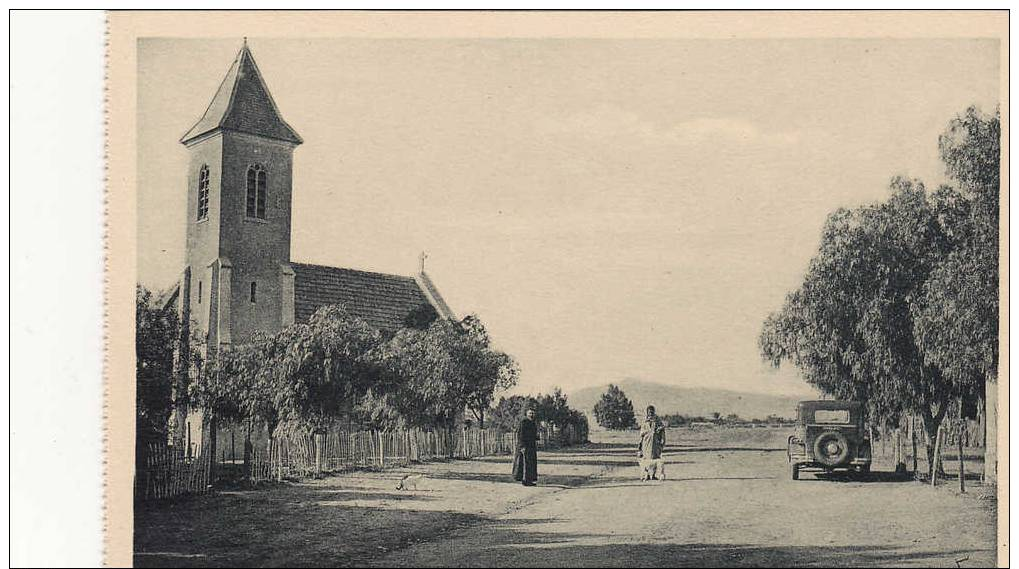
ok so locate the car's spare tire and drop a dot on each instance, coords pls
(831, 448)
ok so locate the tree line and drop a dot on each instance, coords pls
(336, 369)
(614, 411)
(680, 420)
(899, 306)
(552, 408)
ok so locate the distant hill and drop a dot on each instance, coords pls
(689, 401)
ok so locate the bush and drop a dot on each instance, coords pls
(614, 411)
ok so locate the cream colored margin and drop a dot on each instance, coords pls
(124, 29)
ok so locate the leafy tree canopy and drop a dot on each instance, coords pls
(898, 308)
(156, 333)
(440, 371)
(304, 376)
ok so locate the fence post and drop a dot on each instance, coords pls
(368, 448)
(278, 447)
(937, 455)
(912, 438)
(407, 434)
(962, 468)
(319, 444)
(359, 448)
(412, 445)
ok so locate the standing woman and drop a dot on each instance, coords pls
(525, 460)
(652, 443)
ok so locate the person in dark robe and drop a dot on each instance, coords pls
(525, 460)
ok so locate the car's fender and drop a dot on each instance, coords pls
(795, 446)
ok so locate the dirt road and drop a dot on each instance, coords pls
(728, 501)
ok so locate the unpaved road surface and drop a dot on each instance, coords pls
(728, 502)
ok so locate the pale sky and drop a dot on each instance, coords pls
(609, 208)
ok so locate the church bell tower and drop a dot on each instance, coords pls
(238, 277)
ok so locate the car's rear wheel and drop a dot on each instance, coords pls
(796, 472)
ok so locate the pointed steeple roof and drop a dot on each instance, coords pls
(243, 104)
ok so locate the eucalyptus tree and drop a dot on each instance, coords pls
(303, 377)
(443, 370)
(956, 319)
(898, 308)
(486, 370)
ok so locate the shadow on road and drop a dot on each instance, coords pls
(670, 449)
(636, 482)
(368, 522)
(348, 495)
(630, 461)
(557, 480)
(872, 477)
(300, 525)
(515, 554)
(683, 449)
(595, 448)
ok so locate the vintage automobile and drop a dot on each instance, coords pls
(829, 435)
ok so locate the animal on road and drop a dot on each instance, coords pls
(409, 482)
(652, 469)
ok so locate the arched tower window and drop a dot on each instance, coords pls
(203, 193)
(256, 196)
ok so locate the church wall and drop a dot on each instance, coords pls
(256, 248)
(201, 304)
(203, 236)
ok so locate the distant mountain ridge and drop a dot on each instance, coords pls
(690, 401)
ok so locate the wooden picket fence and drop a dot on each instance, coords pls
(299, 455)
(971, 432)
(167, 473)
(473, 443)
(567, 436)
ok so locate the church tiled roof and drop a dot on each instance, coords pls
(243, 104)
(382, 300)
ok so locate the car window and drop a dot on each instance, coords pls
(832, 416)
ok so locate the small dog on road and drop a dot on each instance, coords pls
(409, 482)
(652, 469)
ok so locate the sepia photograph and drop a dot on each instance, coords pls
(511, 289)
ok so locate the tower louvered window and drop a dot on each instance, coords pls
(203, 193)
(256, 194)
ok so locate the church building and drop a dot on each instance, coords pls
(238, 277)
